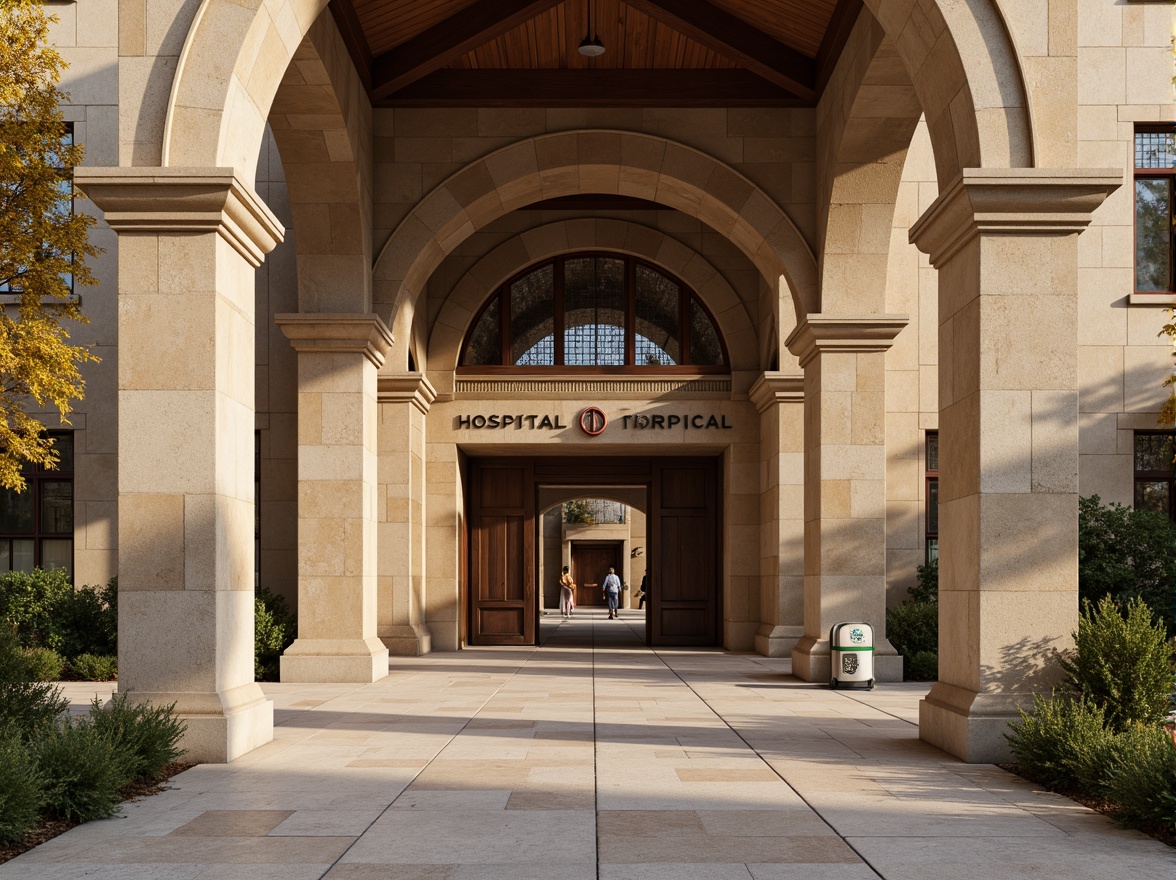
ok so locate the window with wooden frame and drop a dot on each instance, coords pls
(592, 311)
(1155, 256)
(931, 498)
(1155, 472)
(37, 525)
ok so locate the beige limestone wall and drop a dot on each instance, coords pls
(87, 37)
(1124, 76)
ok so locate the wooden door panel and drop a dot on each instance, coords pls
(685, 600)
(590, 563)
(502, 541)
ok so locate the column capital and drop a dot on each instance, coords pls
(184, 200)
(1011, 201)
(337, 333)
(411, 388)
(773, 388)
(843, 333)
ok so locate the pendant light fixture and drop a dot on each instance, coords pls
(590, 48)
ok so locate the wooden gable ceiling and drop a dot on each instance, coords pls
(658, 52)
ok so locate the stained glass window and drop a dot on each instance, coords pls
(1155, 158)
(594, 310)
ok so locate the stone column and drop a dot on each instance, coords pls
(189, 241)
(779, 399)
(1005, 244)
(338, 356)
(404, 403)
(844, 484)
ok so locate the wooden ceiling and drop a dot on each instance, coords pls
(664, 53)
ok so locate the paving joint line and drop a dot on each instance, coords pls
(429, 763)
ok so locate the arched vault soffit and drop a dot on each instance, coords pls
(566, 236)
(967, 76)
(322, 122)
(226, 78)
(597, 161)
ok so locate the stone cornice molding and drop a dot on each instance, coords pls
(1011, 201)
(184, 200)
(412, 388)
(775, 388)
(337, 333)
(838, 333)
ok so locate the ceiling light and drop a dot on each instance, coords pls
(590, 48)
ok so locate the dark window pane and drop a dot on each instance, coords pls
(933, 507)
(1152, 496)
(932, 550)
(532, 319)
(1153, 452)
(1153, 234)
(16, 510)
(56, 553)
(1154, 149)
(932, 452)
(657, 311)
(485, 346)
(594, 312)
(22, 555)
(63, 444)
(57, 507)
(705, 349)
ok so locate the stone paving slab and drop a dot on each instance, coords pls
(594, 758)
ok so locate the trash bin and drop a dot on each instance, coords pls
(852, 648)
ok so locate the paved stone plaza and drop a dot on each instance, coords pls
(595, 757)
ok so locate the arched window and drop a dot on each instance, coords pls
(595, 311)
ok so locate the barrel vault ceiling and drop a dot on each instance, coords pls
(663, 53)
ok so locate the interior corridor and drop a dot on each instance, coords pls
(590, 757)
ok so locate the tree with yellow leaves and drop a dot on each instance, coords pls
(43, 243)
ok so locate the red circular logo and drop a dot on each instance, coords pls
(593, 421)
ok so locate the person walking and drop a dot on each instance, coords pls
(644, 590)
(612, 592)
(567, 593)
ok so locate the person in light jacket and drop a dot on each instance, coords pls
(612, 592)
(567, 593)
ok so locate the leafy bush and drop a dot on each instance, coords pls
(83, 768)
(28, 705)
(87, 618)
(23, 790)
(1141, 777)
(1064, 744)
(29, 601)
(1123, 663)
(94, 667)
(913, 629)
(926, 587)
(274, 630)
(43, 664)
(924, 666)
(1126, 553)
(148, 735)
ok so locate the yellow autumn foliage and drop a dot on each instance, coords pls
(43, 243)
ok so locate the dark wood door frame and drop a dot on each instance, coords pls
(486, 515)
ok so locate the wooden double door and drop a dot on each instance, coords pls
(590, 563)
(683, 536)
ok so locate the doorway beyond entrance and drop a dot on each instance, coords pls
(590, 563)
(684, 543)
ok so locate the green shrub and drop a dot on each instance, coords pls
(926, 587)
(924, 666)
(148, 735)
(1064, 744)
(1123, 663)
(44, 664)
(1126, 553)
(26, 704)
(91, 667)
(83, 769)
(30, 600)
(913, 628)
(87, 619)
(274, 630)
(23, 791)
(1141, 777)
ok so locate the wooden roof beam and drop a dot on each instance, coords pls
(446, 42)
(734, 38)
